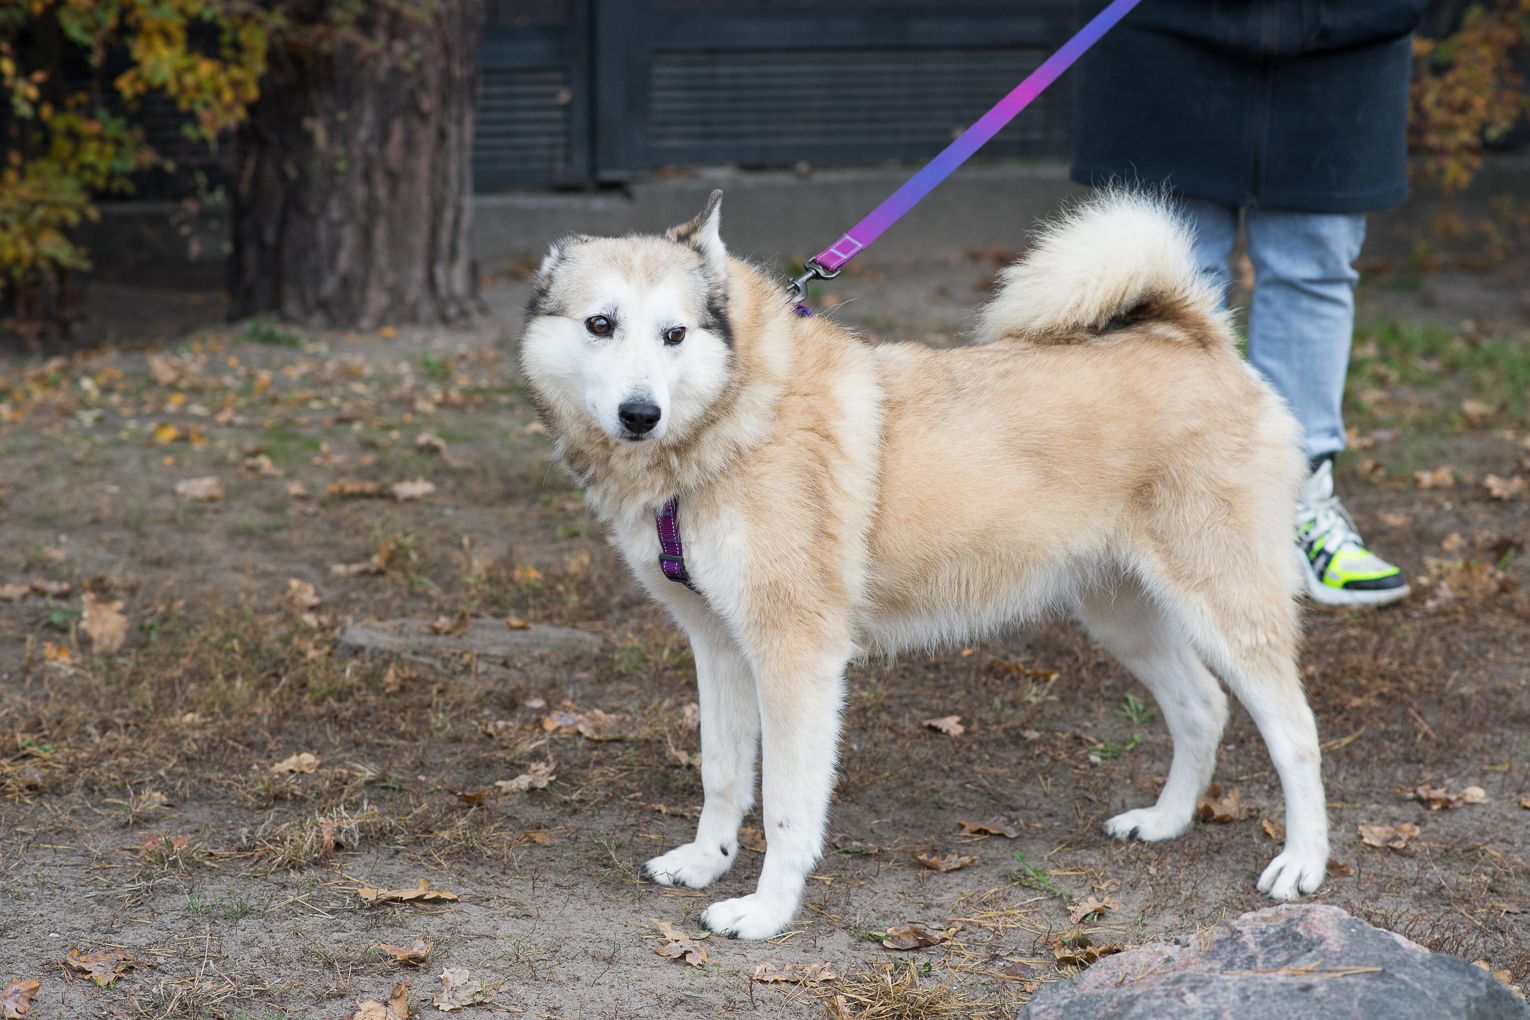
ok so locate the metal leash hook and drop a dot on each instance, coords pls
(797, 289)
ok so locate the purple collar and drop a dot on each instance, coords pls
(671, 548)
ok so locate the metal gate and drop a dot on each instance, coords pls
(584, 91)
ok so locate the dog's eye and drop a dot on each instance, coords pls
(600, 325)
(673, 335)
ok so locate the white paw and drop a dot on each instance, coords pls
(1147, 824)
(694, 865)
(1294, 873)
(749, 917)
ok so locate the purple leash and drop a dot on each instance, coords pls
(828, 263)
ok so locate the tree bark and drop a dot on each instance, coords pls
(352, 177)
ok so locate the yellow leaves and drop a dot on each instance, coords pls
(104, 623)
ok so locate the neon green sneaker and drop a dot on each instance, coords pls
(1341, 571)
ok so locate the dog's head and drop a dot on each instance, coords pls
(631, 333)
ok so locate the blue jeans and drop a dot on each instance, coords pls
(1302, 315)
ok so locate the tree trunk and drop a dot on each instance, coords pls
(351, 186)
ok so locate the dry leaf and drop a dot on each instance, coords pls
(302, 762)
(302, 593)
(396, 1008)
(261, 465)
(201, 490)
(678, 945)
(1505, 488)
(459, 990)
(417, 489)
(297, 490)
(1439, 798)
(751, 839)
(16, 998)
(1339, 869)
(450, 625)
(1216, 806)
(353, 487)
(412, 955)
(1476, 411)
(994, 828)
(56, 653)
(12, 592)
(601, 726)
(473, 797)
(536, 777)
(916, 936)
(1394, 836)
(57, 589)
(690, 716)
(1275, 830)
(950, 862)
(102, 968)
(104, 622)
(1452, 542)
(1393, 519)
(1080, 952)
(770, 972)
(950, 725)
(1092, 905)
(424, 892)
(1442, 477)
(1524, 802)
(429, 442)
(512, 623)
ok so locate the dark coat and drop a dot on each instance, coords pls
(1279, 104)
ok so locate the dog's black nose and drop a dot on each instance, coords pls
(638, 416)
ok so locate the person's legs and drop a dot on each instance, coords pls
(1303, 314)
(1300, 324)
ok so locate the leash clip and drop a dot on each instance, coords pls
(797, 288)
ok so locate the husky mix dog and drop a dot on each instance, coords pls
(1102, 450)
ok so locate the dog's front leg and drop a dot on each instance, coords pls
(730, 733)
(801, 697)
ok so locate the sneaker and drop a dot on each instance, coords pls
(1341, 571)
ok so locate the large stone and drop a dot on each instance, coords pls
(483, 636)
(1296, 962)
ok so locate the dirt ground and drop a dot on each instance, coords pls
(140, 810)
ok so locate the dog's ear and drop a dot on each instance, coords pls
(541, 280)
(702, 233)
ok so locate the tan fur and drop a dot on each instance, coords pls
(1109, 454)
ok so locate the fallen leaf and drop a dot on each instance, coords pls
(207, 489)
(12, 592)
(1092, 905)
(302, 593)
(1394, 836)
(751, 839)
(300, 763)
(261, 465)
(1275, 830)
(16, 998)
(104, 622)
(353, 487)
(1524, 802)
(56, 653)
(396, 1008)
(1452, 542)
(950, 862)
(297, 490)
(424, 892)
(166, 433)
(950, 725)
(1439, 798)
(473, 797)
(994, 828)
(412, 955)
(770, 972)
(1476, 411)
(511, 623)
(101, 968)
(56, 589)
(1473, 795)
(1219, 807)
(429, 442)
(1442, 477)
(536, 777)
(678, 945)
(1392, 519)
(417, 489)
(459, 990)
(690, 716)
(450, 625)
(916, 936)
(1505, 488)
(1339, 869)
(602, 727)
(1080, 952)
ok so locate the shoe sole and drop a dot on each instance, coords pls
(1324, 595)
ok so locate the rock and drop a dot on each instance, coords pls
(485, 636)
(1295, 962)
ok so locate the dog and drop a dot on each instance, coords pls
(1101, 450)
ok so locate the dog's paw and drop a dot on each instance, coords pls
(694, 865)
(1293, 873)
(749, 917)
(1147, 824)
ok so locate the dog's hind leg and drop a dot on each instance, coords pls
(730, 735)
(1146, 641)
(801, 696)
(1246, 630)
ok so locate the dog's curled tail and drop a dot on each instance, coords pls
(1116, 257)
